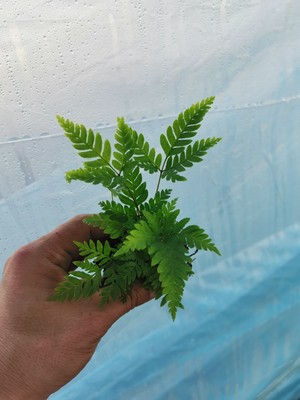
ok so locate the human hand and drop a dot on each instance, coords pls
(43, 344)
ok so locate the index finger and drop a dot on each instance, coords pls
(58, 246)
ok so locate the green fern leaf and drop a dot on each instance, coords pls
(173, 269)
(113, 226)
(117, 280)
(144, 156)
(89, 175)
(149, 242)
(138, 239)
(104, 175)
(123, 146)
(191, 154)
(79, 284)
(93, 220)
(184, 128)
(154, 204)
(135, 191)
(196, 237)
(92, 250)
(115, 220)
(167, 251)
(88, 144)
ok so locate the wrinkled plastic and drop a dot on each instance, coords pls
(238, 337)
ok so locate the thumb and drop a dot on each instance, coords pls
(138, 296)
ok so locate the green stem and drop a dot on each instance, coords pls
(161, 171)
(159, 179)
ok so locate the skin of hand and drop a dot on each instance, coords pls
(44, 344)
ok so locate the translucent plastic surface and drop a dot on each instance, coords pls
(92, 61)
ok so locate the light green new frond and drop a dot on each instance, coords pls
(139, 238)
(88, 175)
(145, 233)
(184, 128)
(123, 146)
(146, 157)
(93, 220)
(88, 144)
(191, 154)
(103, 175)
(196, 237)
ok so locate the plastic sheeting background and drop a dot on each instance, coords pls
(93, 61)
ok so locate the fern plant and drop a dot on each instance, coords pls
(148, 242)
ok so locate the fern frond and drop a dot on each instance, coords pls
(116, 219)
(123, 146)
(89, 175)
(149, 242)
(115, 208)
(135, 191)
(113, 227)
(104, 175)
(184, 128)
(144, 156)
(87, 143)
(92, 220)
(167, 251)
(79, 284)
(94, 250)
(118, 277)
(154, 204)
(162, 196)
(173, 269)
(190, 155)
(196, 237)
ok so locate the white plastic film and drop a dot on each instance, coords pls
(89, 61)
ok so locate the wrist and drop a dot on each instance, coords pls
(13, 395)
(13, 371)
(12, 386)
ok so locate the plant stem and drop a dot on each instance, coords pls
(160, 174)
(158, 183)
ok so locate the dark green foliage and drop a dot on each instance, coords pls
(147, 241)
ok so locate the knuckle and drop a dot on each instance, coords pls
(22, 255)
(18, 260)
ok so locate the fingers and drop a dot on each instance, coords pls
(58, 245)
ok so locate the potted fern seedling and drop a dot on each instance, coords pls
(147, 240)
